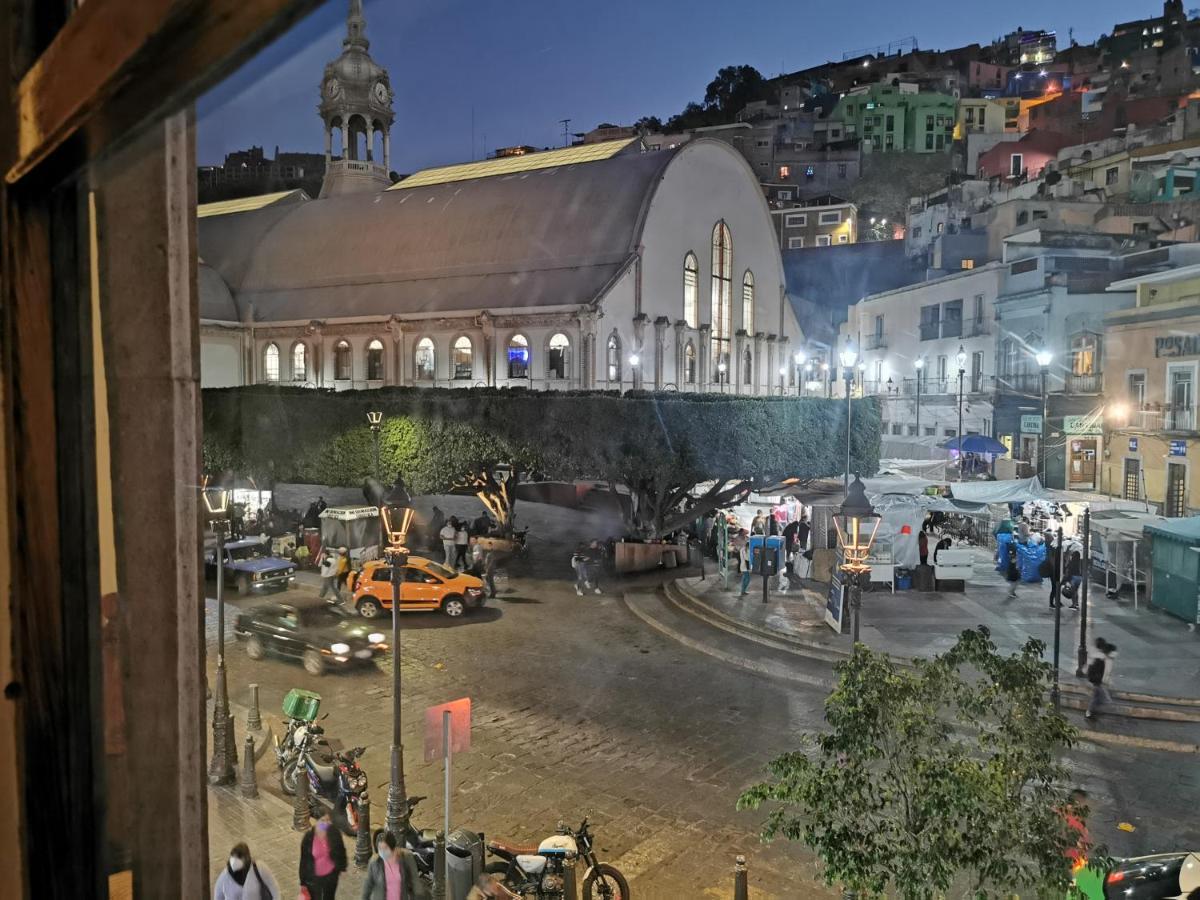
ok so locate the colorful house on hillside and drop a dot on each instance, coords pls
(896, 118)
(1023, 159)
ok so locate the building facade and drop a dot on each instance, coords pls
(892, 118)
(819, 225)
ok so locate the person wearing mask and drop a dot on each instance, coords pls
(446, 535)
(758, 525)
(244, 878)
(462, 543)
(322, 859)
(392, 872)
(328, 569)
(1099, 676)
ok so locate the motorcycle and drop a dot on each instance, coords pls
(537, 872)
(420, 842)
(301, 736)
(341, 784)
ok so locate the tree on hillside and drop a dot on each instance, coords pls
(649, 124)
(945, 774)
(889, 180)
(732, 89)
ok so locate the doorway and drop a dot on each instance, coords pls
(1081, 471)
(1176, 497)
(1132, 490)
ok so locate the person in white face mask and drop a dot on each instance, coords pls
(244, 878)
(392, 872)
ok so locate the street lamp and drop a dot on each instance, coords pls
(220, 768)
(799, 360)
(919, 365)
(961, 359)
(395, 519)
(1043, 358)
(635, 362)
(721, 367)
(782, 377)
(375, 418)
(827, 378)
(848, 356)
(856, 525)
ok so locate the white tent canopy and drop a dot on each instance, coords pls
(1017, 490)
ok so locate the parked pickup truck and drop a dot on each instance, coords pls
(250, 566)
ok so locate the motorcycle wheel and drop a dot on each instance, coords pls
(287, 778)
(605, 883)
(342, 821)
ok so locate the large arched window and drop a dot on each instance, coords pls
(558, 357)
(271, 362)
(375, 360)
(691, 290)
(722, 299)
(613, 358)
(689, 363)
(464, 358)
(423, 360)
(748, 302)
(343, 361)
(518, 356)
(299, 362)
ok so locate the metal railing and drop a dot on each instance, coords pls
(1084, 384)
(931, 331)
(877, 342)
(976, 328)
(1020, 383)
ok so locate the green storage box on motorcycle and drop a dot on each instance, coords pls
(298, 704)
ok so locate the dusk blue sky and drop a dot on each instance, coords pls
(522, 65)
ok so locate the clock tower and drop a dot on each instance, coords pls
(356, 103)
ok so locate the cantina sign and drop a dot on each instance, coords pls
(1177, 345)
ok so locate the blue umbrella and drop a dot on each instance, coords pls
(974, 443)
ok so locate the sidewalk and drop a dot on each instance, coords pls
(1157, 653)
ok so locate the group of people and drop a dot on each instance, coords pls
(333, 565)
(1052, 567)
(775, 523)
(391, 873)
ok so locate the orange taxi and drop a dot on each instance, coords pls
(427, 586)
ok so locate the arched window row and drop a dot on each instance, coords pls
(691, 291)
(722, 298)
(518, 358)
(748, 302)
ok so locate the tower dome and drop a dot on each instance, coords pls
(356, 103)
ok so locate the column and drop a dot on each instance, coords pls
(740, 343)
(680, 373)
(772, 374)
(387, 149)
(660, 349)
(328, 146)
(370, 142)
(705, 351)
(758, 342)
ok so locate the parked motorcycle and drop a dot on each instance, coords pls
(537, 871)
(301, 736)
(420, 842)
(342, 785)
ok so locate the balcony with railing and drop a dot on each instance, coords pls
(952, 328)
(877, 341)
(1020, 383)
(1084, 384)
(931, 331)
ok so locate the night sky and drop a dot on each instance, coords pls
(522, 65)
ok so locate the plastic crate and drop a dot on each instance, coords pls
(298, 704)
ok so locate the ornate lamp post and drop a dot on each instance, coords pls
(1043, 360)
(848, 356)
(721, 367)
(828, 379)
(782, 377)
(220, 767)
(376, 419)
(395, 518)
(919, 365)
(856, 526)
(799, 360)
(961, 359)
(635, 362)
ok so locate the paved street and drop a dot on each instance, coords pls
(580, 709)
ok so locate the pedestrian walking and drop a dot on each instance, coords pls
(321, 505)
(489, 573)
(923, 546)
(595, 565)
(743, 552)
(392, 872)
(1074, 578)
(245, 878)
(1050, 567)
(1012, 571)
(1099, 675)
(437, 520)
(446, 534)
(462, 543)
(343, 566)
(579, 562)
(328, 570)
(322, 859)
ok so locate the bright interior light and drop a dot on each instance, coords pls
(824, 367)
(1043, 358)
(720, 367)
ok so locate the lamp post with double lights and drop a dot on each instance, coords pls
(919, 365)
(1043, 360)
(961, 359)
(376, 419)
(395, 518)
(856, 525)
(848, 356)
(220, 767)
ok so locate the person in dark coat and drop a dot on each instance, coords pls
(437, 520)
(389, 865)
(923, 546)
(322, 859)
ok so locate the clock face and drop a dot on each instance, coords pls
(381, 92)
(332, 88)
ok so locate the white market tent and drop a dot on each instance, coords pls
(1121, 532)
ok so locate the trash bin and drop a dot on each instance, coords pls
(904, 579)
(464, 860)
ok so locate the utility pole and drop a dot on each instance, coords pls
(565, 123)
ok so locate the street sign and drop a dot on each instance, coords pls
(835, 602)
(1081, 425)
(1133, 445)
(1031, 424)
(460, 728)
(1178, 448)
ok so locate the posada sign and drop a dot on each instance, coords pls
(1174, 345)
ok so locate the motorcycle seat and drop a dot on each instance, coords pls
(506, 849)
(325, 774)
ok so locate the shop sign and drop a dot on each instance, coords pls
(1173, 345)
(1133, 445)
(1031, 424)
(1178, 448)
(1085, 425)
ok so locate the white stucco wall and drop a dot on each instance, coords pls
(221, 359)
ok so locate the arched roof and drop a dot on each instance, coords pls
(216, 302)
(554, 236)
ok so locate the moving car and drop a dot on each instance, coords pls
(427, 586)
(250, 566)
(1163, 876)
(319, 635)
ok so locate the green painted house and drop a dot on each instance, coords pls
(894, 120)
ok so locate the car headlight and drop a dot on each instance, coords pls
(256, 576)
(474, 590)
(375, 638)
(340, 648)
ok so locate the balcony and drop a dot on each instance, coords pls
(1020, 383)
(952, 328)
(931, 331)
(1084, 384)
(877, 342)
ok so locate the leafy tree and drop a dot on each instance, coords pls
(693, 116)
(732, 89)
(947, 773)
(648, 124)
(890, 180)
